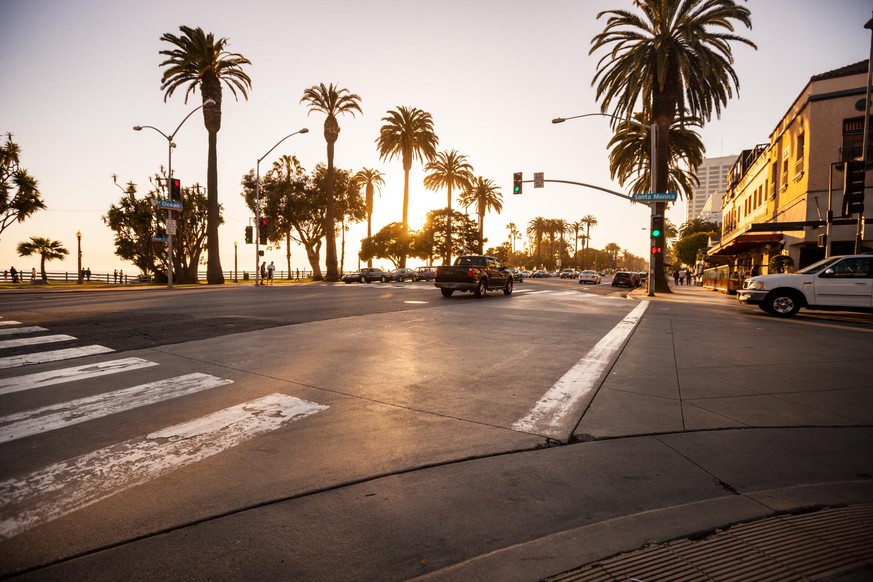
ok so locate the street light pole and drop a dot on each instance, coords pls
(79, 254)
(650, 285)
(235, 279)
(170, 146)
(258, 201)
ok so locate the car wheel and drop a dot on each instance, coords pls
(508, 289)
(481, 288)
(363, 279)
(447, 292)
(347, 282)
(782, 303)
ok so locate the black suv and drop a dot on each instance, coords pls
(623, 279)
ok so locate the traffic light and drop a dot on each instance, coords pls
(516, 183)
(853, 188)
(262, 230)
(175, 189)
(657, 234)
(249, 239)
(657, 250)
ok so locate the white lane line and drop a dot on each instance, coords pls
(52, 356)
(69, 485)
(33, 341)
(10, 322)
(40, 379)
(27, 329)
(48, 418)
(557, 412)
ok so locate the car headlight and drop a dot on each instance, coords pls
(755, 285)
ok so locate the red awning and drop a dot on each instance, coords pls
(746, 242)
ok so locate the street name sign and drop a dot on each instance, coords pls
(654, 197)
(159, 238)
(170, 204)
(539, 180)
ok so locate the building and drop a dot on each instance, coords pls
(706, 198)
(779, 193)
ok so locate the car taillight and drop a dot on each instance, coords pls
(471, 272)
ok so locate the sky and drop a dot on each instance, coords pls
(79, 74)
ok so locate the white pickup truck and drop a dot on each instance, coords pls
(843, 283)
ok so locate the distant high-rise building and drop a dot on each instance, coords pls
(706, 201)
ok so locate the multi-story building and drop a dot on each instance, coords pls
(779, 192)
(706, 198)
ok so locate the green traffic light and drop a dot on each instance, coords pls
(656, 233)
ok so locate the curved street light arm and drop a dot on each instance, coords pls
(304, 130)
(631, 121)
(141, 127)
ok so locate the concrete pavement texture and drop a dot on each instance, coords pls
(718, 447)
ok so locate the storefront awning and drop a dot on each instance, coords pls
(744, 243)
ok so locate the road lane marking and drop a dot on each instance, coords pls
(64, 487)
(48, 418)
(27, 329)
(33, 341)
(52, 356)
(40, 379)
(560, 408)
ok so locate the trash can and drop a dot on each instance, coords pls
(245, 276)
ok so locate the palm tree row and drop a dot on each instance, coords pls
(540, 228)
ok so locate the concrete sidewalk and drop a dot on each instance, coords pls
(720, 446)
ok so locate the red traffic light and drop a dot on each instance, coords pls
(175, 189)
(656, 250)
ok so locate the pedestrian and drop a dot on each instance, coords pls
(88, 273)
(675, 277)
(115, 276)
(755, 271)
(298, 273)
(263, 272)
(681, 276)
(688, 277)
(120, 276)
(270, 271)
(14, 274)
(5, 275)
(33, 274)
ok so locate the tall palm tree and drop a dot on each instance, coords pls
(514, 233)
(201, 61)
(613, 249)
(448, 169)
(333, 102)
(371, 180)
(536, 230)
(48, 250)
(588, 220)
(630, 150)
(673, 59)
(575, 228)
(562, 227)
(485, 194)
(407, 134)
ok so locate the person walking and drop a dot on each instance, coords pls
(675, 277)
(682, 276)
(270, 271)
(263, 272)
(688, 277)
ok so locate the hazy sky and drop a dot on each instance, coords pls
(78, 74)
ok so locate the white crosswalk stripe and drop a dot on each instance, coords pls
(72, 484)
(35, 341)
(17, 330)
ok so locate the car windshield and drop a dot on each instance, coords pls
(819, 266)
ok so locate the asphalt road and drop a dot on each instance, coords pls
(307, 414)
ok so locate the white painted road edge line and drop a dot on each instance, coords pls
(558, 411)
(48, 418)
(52, 356)
(85, 372)
(67, 486)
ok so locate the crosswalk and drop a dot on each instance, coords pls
(68, 485)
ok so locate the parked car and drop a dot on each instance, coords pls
(425, 273)
(516, 274)
(568, 274)
(589, 277)
(539, 274)
(401, 275)
(623, 279)
(843, 283)
(365, 275)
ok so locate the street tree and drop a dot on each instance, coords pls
(431, 241)
(48, 250)
(536, 230)
(199, 60)
(332, 101)
(674, 59)
(389, 243)
(448, 169)
(407, 133)
(686, 247)
(371, 180)
(485, 195)
(19, 194)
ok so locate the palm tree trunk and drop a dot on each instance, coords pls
(405, 243)
(330, 220)
(448, 260)
(214, 276)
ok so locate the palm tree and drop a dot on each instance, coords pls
(630, 150)
(575, 227)
(485, 194)
(448, 169)
(696, 225)
(199, 60)
(536, 230)
(371, 180)
(588, 220)
(407, 134)
(613, 249)
(674, 59)
(48, 250)
(562, 227)
(514, 233)
(331, 101)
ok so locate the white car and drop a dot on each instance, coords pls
(843, 283)
(589, 277)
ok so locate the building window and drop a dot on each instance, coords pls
(798, 164)
(853, 139)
